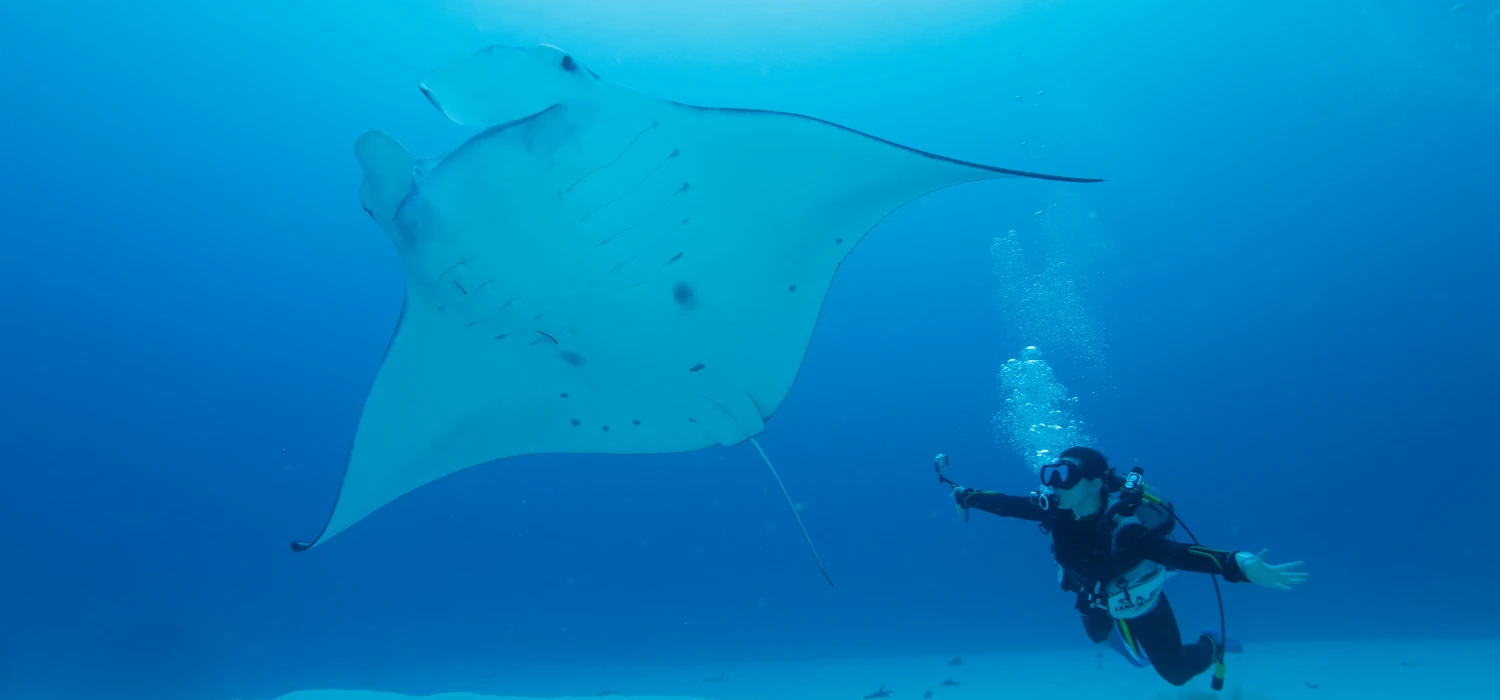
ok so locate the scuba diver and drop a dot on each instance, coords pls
(1110, 539)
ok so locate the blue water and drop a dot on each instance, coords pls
(1291, 276)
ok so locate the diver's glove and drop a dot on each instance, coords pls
(960, 493)
(1281, 576)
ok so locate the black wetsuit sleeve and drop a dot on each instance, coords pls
(1190, 557)
(1019, 507)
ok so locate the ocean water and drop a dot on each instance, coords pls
(1282, 303)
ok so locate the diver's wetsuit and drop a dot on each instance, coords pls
(1082, 549)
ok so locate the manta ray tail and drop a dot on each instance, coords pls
(793, 506)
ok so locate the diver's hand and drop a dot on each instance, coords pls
(1259, 572)
(959, 493)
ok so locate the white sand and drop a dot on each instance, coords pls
(1385, 670)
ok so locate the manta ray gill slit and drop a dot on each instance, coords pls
(616, 159)
(685, 187)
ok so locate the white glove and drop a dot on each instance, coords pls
(1280, 576)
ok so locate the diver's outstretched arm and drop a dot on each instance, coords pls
(1235, 567)
(1019, 507)
(1264, 573)
(1190, 557)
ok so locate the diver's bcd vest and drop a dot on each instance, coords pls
(1135, 585)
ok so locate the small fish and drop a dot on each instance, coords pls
(948, 683)
(721, 678)
(882, 693)
(956, 661)
(1311, 684)
(927, 694)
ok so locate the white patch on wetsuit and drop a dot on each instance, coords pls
(1141, 593)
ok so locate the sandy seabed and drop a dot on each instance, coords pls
(1364, 670)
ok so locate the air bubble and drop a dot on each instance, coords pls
(1038, 418)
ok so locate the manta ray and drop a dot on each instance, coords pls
(600, 271)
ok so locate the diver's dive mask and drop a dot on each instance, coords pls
(1061, 474)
